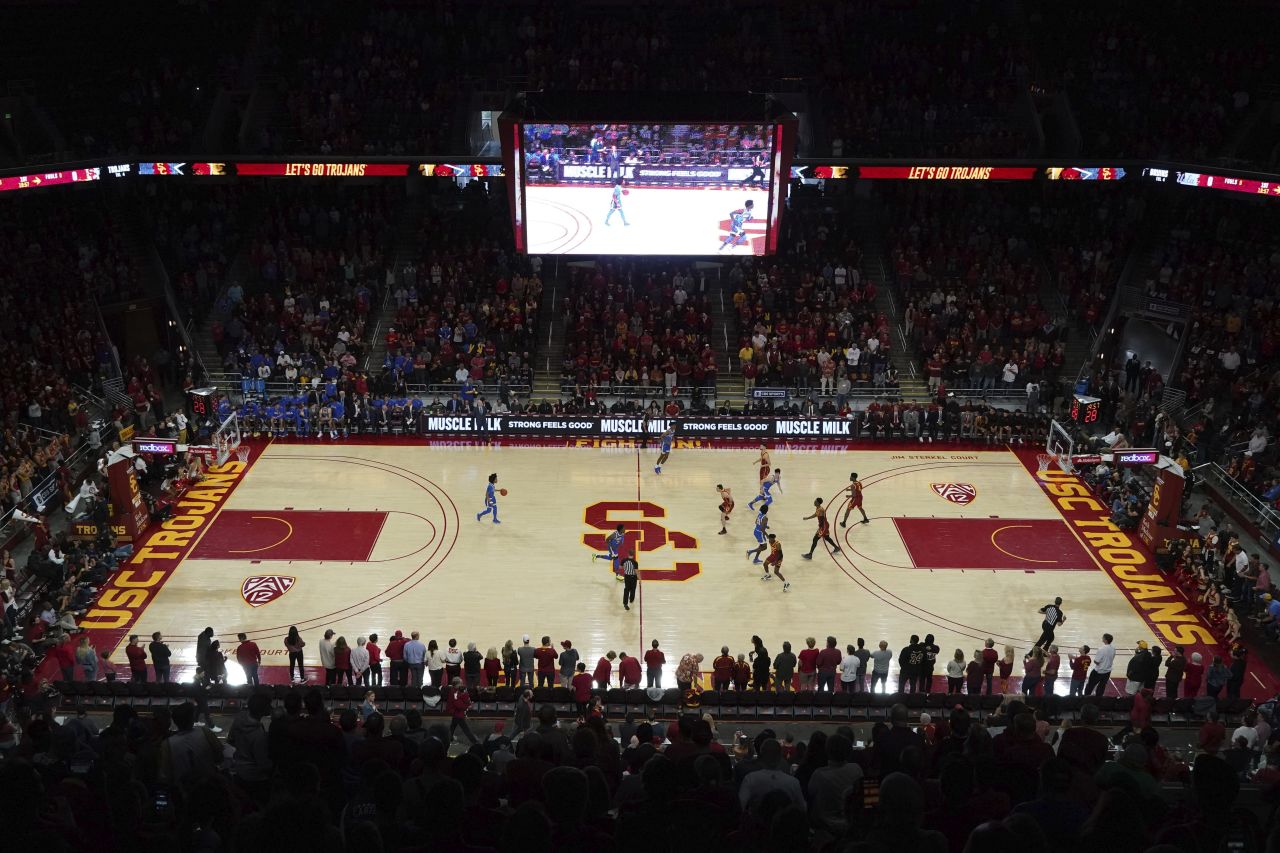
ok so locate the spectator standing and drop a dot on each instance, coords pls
(849, 666)
(546, 657)
(603, 673)
(293, 645)
(342, 660)
(87, 658)
(722, 670)
(989, 659)
(452, 661)
(472, 663)
(1174, 667)
(784, 667)
(581, 686)
(527, 661)
(654, 660)
(1100, 670)
(137, 656)
(828, 660)
(160, 656)
(1193, 676)
(629, 670)
(881, 658)
(974, 677)
(375, 660)
(327, 658)
(568, 663)
(808, 664)
(395, 660)
(493, 667)
(360, 662)
(689, 671)
(414, 655)
(249, 657)
(955, 672)
(435, 665)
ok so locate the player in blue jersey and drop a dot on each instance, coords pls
(767, 485)
(614, 543)
(290, 417)
(665, 445)
(304, 417)
(615, 203)
(738, 220)
(761, 533)
(339, 422)
(490, 500)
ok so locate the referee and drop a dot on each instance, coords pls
(1053, 617)
(630, 579)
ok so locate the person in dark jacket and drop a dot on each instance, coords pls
(909, 660)
(784, 667)
(1174, 667)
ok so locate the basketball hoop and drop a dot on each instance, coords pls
(242, 453)
(1043, 461)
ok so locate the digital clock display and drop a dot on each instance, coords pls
(1085, 410)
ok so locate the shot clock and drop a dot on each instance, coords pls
(1085, 410)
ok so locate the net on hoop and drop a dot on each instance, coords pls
(1043, 461)
(242, 453)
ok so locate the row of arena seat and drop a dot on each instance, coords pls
(731, 704)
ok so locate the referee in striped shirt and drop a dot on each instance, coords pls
(630, 578)
(1053, 617)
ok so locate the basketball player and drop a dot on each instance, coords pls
(855, 500)
(614, 543)
(824, 530)
(615, 204)
(763, 462)
(665, 442)
(726, 507)
(490, 500)
(775, 560)
(766, 488)
(738, 220)
(762, 525)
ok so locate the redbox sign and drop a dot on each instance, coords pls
(1137, 457)
(154, 445)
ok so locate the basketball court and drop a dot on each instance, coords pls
(371, 538)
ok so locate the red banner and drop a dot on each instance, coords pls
(948, 173)
(325, 170)
(1160, 521)
(131, 510)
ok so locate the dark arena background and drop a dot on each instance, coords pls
(639, 426)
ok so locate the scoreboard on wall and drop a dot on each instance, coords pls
(1085, 410)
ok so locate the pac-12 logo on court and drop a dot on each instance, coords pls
(264, 589)
(642, 535)
(957, 493)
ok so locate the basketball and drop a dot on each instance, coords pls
(502, 492)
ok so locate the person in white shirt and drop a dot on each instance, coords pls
(1010, 373)
(461, 375)
(1247, 730)
(849, 669)
(758, 783)
(1104, 657)
(1257, 442)
(1230, 360)
(360, 662)
(873, 344)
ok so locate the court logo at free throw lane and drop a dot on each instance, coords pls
(957, 493)
(264, 589)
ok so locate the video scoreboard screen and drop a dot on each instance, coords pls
(649, 189)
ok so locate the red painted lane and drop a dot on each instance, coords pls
(286, 534)
(1008, 544)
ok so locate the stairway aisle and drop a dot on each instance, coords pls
(866, 225)
(404, 249)
(550, 339)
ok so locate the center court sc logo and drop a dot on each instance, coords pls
(643, 534)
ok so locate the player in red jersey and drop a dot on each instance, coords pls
(855, 500)
(726, 507)
(774, 560)
(763, 462)
(824, 530)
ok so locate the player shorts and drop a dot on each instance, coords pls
(824, 530)
(856, 502)
(764, 472)
(760, 536)
(726, 507)
(771, 561)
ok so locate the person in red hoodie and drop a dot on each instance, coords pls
(137, 656)
(1193, 676)
(375, 660)
(828, 659)
(456, 702)
(809, 664)
(65, 655)
(581, 683)
(654, 660)
(989, 659)
(250, 658)
(629, 670)
(604, 670)
(395, 657)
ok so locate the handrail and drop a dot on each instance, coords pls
(29, 502)
(1267, 517)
